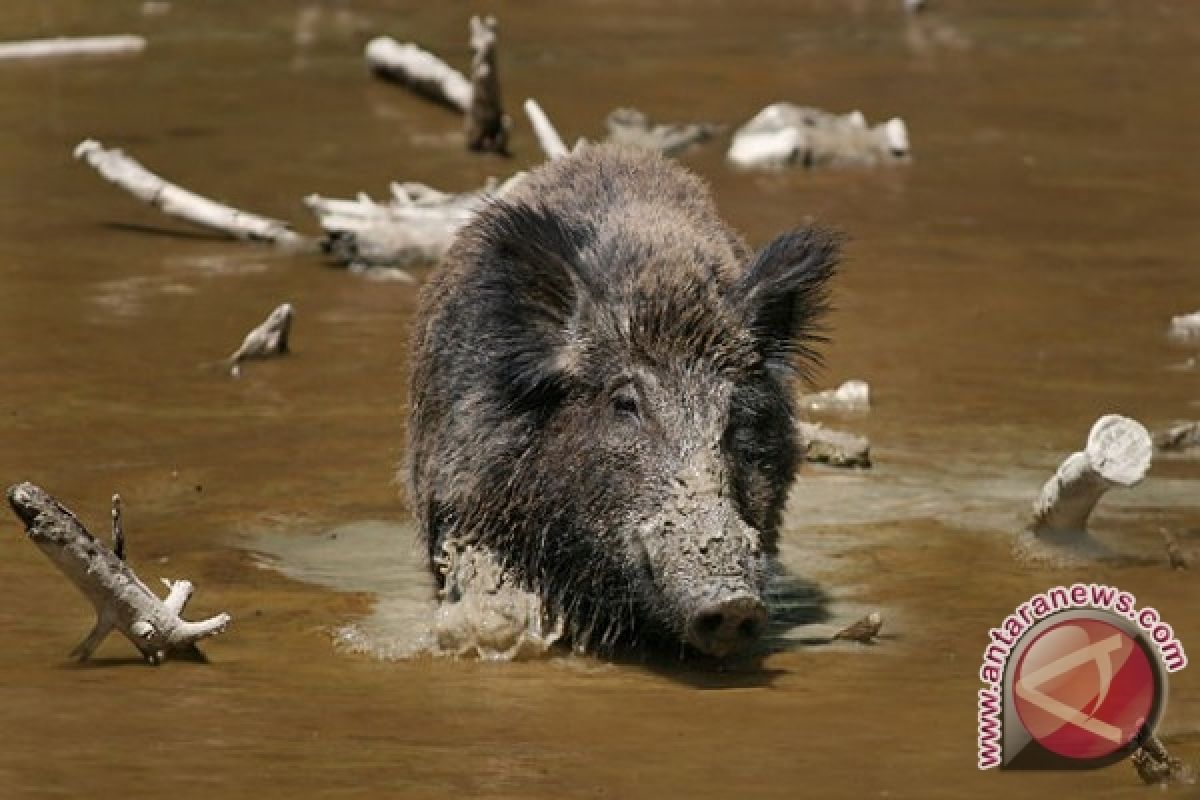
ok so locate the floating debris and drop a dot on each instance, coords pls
(629, 126)
(836, 448)
(864, 631)
(851, 396)
(268, 339)
(119, 44)
(784, 134)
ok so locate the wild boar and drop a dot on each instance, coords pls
(602, 395)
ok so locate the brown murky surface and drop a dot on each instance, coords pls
(1002, 292)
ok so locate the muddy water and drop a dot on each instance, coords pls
(1001, 293)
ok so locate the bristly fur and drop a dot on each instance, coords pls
(607, 271)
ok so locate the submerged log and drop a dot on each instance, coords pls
(836, 448)
(420, 71)
(784, 134)
(1157, 767)
(416, 227)
(72, 46)
(547, 136)
(487, 124)
(122, 170)
(268, 339)
(1118, 453)
(121, 600)
(631, 127)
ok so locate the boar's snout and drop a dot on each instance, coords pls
(727, 624)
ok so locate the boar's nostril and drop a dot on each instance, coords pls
(727, 625)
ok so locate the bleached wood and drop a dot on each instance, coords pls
(851, 396)
(548, 138)
(417, 226)
(1185, 328)
(420, 71)
(1179, 438)
(784, 134)
(632, 127)
(1118, 453)
(270, 338)
(120, 169)
(72, 46)
(836, 448)
(122, 602)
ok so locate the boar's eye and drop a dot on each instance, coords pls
(625, 401)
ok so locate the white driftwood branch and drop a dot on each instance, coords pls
(551, 143)
(1118, 453)
(416, 227)
(72, 46)
(1180, 438)
(851, 396)
(1185, 328)
(269, 339)
(632, 127)
(419, 70)
(823, 445)
(784, 134)
(122, 170)
(121, 600)
(487, 124)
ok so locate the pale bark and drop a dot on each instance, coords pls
(72, 46)
(1118, 453)
(487, 124)
(269, 339)
(547, 137)
(420, 71)
(836, 448)
(784, 134)
(122, 170)
(631, 127)
(416, 227)
(122, 602)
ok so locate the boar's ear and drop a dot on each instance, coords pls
(534, 294)
(783, 295)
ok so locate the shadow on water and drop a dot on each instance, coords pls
(169, 233)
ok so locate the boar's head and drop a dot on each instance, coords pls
(626, 442)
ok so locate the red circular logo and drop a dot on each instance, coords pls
(1084, 688)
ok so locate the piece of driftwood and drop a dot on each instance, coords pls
(1176, 556)
(632, 127)
(1157, 767)
(417, 226)
(72, 46)
(915, 6)
(419, 70)
(1185, 328)
(851, 396)
(836, 448)
(785, 134)
(121, 600)
(269, 339)
(864, 631)
(118, 168)
(1185, 436)
(1118, 453)
(544, 131)
(487, 124)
